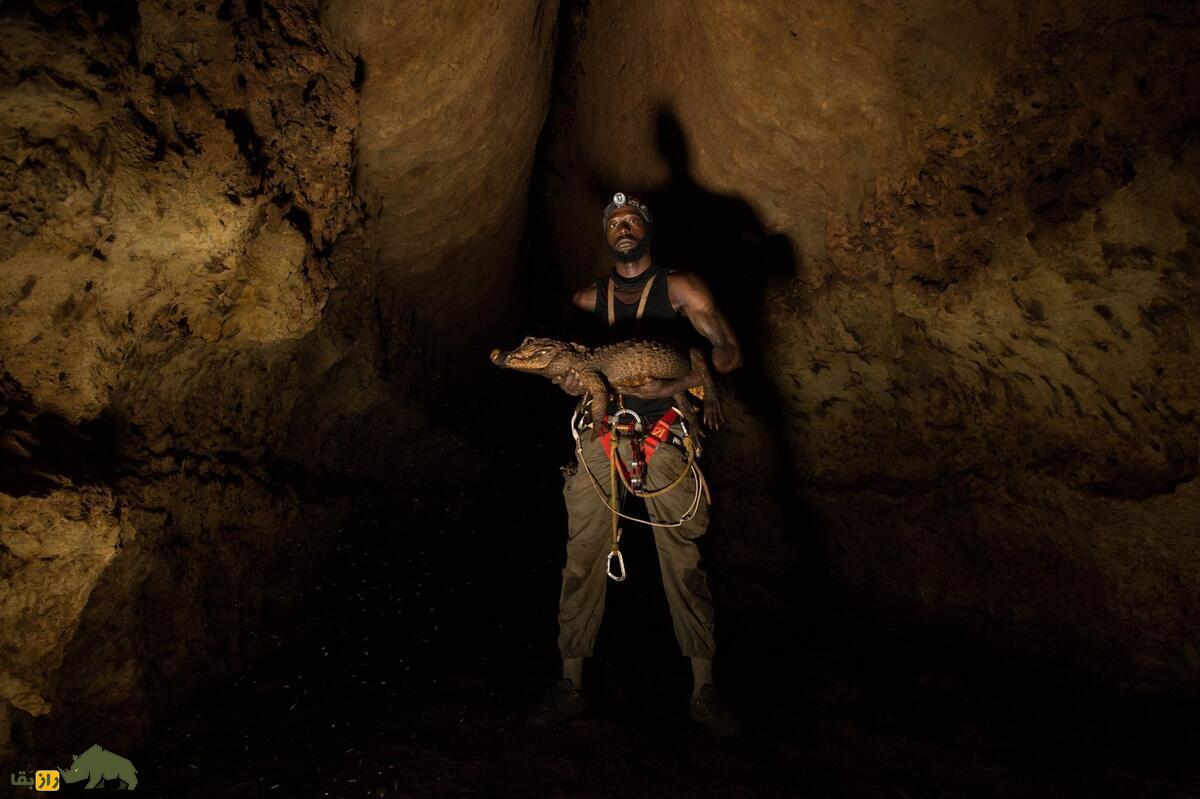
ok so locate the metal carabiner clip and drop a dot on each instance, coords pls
(620, 562)
(637, 420)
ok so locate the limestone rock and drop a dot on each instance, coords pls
(452, 103)
(53, 550)
(176, 180)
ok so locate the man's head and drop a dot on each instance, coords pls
(627, 227)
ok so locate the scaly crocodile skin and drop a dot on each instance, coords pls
(613, 366)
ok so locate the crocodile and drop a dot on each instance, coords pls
(620, 365)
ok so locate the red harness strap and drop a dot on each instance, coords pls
(658, 433)
(656, 436)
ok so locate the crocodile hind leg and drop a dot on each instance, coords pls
(713, 417)
(684, 404)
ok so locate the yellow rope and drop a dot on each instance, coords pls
(612, 495)
(701, 486)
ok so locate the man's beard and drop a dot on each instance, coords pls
(629, 256)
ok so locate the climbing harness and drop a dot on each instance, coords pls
(642, 449)
(642, 445)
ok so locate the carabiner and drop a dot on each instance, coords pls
(620, 562)
(637, 420)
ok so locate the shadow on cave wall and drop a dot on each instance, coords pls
(721, 238)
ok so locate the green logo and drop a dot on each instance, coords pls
(97, 764)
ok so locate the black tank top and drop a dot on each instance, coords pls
(659, 321)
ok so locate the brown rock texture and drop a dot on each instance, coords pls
(175, 176)
(452, 103)
(58, 546)
(963, 243)
(210, 274)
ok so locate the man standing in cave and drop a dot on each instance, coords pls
(640, 297)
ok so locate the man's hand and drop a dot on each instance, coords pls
(570, 383)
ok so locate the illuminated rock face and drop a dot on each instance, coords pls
(965, 244)
(176, 179)
(453, 100)
(60, 545)
(223, 223)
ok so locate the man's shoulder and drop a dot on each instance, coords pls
(688, 292)
(585, 298)
(683, 281)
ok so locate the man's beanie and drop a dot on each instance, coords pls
(622, 200)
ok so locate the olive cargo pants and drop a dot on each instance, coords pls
(589, 540)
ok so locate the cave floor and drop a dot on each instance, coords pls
(432, 633)
(316, 724)
(411, 674)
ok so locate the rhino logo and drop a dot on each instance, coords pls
(98, 764)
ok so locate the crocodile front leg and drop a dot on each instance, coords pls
(713, 417)
(598, 389)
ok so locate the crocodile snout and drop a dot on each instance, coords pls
(497, 357)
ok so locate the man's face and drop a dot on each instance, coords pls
(627, 235)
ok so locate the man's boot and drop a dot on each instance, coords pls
(561, 703)
(709, 709)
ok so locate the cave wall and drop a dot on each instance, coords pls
(961, 245)
(216, 220)
(174, 180)
(452, 104)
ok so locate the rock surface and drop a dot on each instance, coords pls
(453, 99)
(207, 334)
(178, 175)
(58, 546)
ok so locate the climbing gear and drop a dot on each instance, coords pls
(635, 471)
(642, 450)
(642, 446)
(581, 422)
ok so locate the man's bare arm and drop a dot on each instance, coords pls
(712, 324)
(585, 299)
(692, 298)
